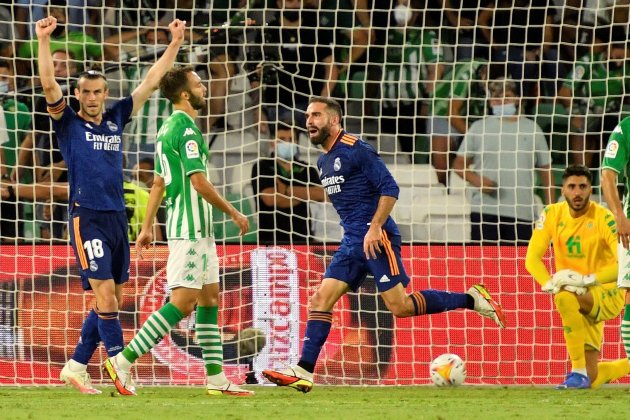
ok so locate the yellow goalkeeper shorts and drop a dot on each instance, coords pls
(607, 304)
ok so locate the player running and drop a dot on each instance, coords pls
(363, 192)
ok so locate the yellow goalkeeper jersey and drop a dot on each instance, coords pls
(586, 244)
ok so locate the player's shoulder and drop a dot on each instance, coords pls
(602, 213)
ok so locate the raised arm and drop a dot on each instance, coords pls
(152, 80)
(52, 90)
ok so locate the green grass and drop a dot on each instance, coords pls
(354, 403)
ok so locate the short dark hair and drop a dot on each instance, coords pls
(577, 170)
(149, 161)
(174, 82)
(331, 104)
(92, 75)
(288, 125)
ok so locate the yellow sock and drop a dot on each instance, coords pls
(573, 325)
(610, 371)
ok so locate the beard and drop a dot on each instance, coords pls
(579, 206)
(197, 102)
(322, 135)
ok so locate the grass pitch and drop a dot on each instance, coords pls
(355, 403)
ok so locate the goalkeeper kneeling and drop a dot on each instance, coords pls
(584, 237)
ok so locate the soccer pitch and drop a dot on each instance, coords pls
(422, 402)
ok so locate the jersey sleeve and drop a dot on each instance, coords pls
(373, 167)
(608, 230)
(190, 150)
(616, 154)
(121, 111)
(538, 245)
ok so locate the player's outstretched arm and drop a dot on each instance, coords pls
(152, 80)
(43, 29)
(145, 237)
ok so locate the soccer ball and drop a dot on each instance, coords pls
(448, 370)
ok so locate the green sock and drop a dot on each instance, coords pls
(625, 330)
(154, 329)
(209, 338)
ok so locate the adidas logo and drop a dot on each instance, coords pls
(383, 279)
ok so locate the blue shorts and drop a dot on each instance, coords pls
(350, 265)
(101, 244)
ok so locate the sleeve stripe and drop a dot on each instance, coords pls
(57, 107)
(79, 243)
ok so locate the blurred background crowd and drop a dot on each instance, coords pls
(441, 88)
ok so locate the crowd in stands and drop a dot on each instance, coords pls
(421, 74)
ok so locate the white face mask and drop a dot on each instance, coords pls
(286, 150)
(506, 110)
(4, 86)
(402, 14)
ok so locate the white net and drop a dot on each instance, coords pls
(413, 83)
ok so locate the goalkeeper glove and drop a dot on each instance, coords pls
(548, 287)
(565, 278)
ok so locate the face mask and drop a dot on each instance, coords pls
(291, 15)
(286, 150)
(58, 30)
(4, 87)
(402, 14)
(506, 110)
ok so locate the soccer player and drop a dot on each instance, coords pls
(616, 161)
(584, 240)
(363, 192)
(91, 144)
(182, 171)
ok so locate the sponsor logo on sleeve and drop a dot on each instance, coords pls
(192, 149)
(189, 132)
(611, 149)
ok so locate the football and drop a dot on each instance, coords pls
(448, 370)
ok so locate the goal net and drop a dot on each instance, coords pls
(412, 78)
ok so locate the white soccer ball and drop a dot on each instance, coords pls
(448, 370)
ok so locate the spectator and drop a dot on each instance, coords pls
(414, 61)
(462, 16)
(283, 185)
(143, 172)
(594, 93)
(520, 33)
(75, 42)
(297, 62)
(504, 149)
(7, 30)
(18, 120)
(458, 99)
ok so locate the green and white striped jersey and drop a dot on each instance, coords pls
(408, 53)
(617, 158)
(180, 152)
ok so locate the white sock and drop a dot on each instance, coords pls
(218, 379)
(580, 371)
(75, 366)
(122, 363)
(303, 372)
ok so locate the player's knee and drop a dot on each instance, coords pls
(321, 302)
(107, 303)
(564, 300)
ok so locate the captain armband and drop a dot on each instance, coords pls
(56, 107)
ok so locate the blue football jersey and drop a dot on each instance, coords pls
(354, 178)
(93, 155)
